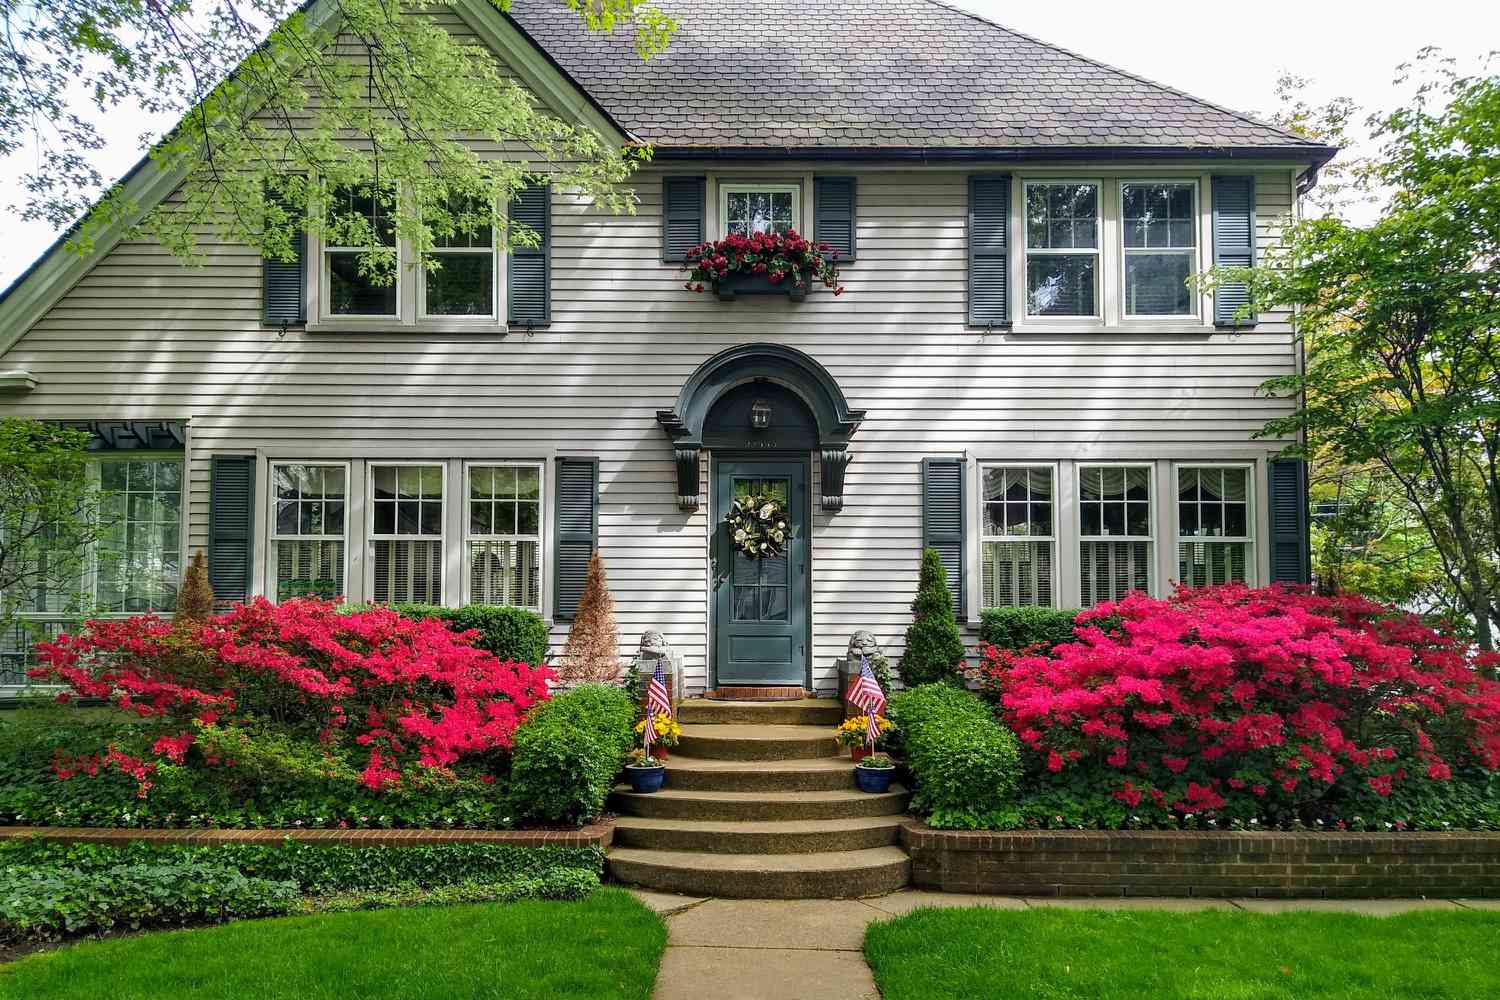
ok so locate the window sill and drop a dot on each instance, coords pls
(484, 326)
(1134, 327)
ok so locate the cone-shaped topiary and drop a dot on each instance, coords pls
(934, 648)
(592, 653)
(195, 601)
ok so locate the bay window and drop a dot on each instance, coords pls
(761, 208)
(308, 530)
(1017, 536)
(1116, 540)
(1158, 233)
(406, 502)
(1213, 525)
(503, 551)
(1062, 248)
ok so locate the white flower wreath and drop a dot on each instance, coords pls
(758, 525)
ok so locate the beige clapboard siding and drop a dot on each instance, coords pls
(142, 336)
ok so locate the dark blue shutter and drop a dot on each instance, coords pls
(529, 272)
(1234, 243)
(834, 214)
(943, 520)
(577, 531)
(1290, 556)
(284, 286)
(231, 526)
(682, 200)
(989, 249)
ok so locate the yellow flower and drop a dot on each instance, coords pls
(668, 729)
(851, 732)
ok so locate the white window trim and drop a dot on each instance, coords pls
(1252, 512)
(543, 579)
(1054, 538)
(1152, 512)
(1193, 253)
(272, 537)
(1100, 281)
(371, 537)
(728, 187)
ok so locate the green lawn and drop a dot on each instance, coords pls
(607, 946)
(1056, 954)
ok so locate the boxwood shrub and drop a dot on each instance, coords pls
(568, 752)
(966, 766)
(1022, 628)
(510, 633)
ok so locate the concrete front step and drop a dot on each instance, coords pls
(828, 712)
(873, 871)
(757, 806)
(756, 741)
(813, 774)
(766, 837)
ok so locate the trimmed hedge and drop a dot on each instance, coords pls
(510, 633)
(568, 753)
(1016, 629)
(966, 766)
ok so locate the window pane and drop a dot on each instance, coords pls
(1110, 570)
(464, 286)
(1062, 216)
(408, 571)
(1156, 284)
(1204, 564)
(352, 294)
(1157, 215)
(528, 483)
(1060, 284)
(528, 518)
(309, 568)
(138, 557)
(505, 573)
(481, 518)
(1016, 573)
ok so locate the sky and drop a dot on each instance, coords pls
(1228, 53)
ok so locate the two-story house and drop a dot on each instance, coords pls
(1018, 375)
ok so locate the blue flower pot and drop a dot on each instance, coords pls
(648, 779)
(871, 780)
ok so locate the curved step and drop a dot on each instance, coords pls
(833, 875)
(767, 837)
(812, 774)
(755, 741)
(827, 712)
(672, 803)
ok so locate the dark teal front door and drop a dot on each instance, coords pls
(760, 604)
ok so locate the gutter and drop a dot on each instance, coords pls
(1319, 155)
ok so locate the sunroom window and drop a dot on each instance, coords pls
(760, 209)
(359, 220)
(1017, 536)
(406, 533)
(1159, 232)
(1116, 543)
(310, 507)
(505, 535)
(1213, 525)
(464, 283)
(1062, 248)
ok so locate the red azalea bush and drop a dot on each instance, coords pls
(779, 256)
(390, 693)
(1250, 704)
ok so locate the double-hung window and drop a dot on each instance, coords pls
(1159, 235)
(308, 529)
(1062, 248)
(1018, 535)
(1115, 538)
(761, 208)
(1213, 525)
(504, 552)
(359, 220)
(406, 533)
(464, 282)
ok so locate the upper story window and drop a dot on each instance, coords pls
(359, 220)
(759, 208)
(1116, 542)
(464, 282)
(1018, 535)
(1213, 525)
(1062, 248)
(1159, 235)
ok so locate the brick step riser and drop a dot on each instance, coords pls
(751, 842)
(729, 713)
(759, 781)
(813, 746)
(717, 811)
(874, 881)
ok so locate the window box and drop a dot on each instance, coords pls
(735, 284)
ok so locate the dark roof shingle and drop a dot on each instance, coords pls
(873, 73)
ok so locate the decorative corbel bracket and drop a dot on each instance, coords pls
(687, 478)
(834, 464)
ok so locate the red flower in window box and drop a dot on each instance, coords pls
(777, 256)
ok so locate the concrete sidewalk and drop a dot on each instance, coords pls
(811, 949)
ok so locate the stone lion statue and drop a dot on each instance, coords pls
(653, 643)
(863, 644)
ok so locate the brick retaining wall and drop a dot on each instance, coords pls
(1171, 863)
(596, 835)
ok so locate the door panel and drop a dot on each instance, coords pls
(760, 605)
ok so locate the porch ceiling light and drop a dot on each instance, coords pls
(760, 414)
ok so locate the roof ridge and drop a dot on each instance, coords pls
(1242, 116)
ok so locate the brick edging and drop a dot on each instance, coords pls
(594, 835)
(1203, 863)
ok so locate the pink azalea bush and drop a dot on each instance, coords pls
(1237, 704)
(395, 698)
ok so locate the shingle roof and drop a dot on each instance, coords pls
(873, 73)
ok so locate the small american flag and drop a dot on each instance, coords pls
(648, 735)
(657, 699)
(866, 694)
